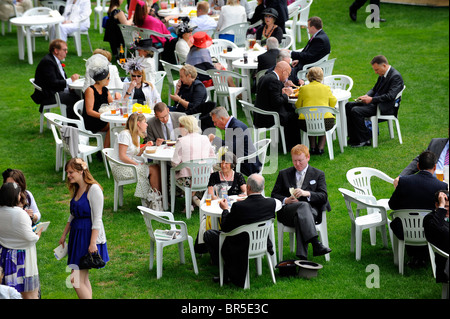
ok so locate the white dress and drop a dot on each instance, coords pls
(143, 184)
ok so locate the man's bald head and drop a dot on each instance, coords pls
(283, 69)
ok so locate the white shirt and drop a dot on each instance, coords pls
(124, 138)
(15, 228)
(78, 11)
(203, 22)
(182, 49)
(231, 15)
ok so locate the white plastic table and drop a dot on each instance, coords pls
(28, 22)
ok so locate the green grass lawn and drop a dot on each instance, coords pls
(416, 42)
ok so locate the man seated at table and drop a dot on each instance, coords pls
(269, 58)
(163, 126)
(234, 251)
(237, 138)
(272, 95)
(51, 77)
(302, 189)
(203, 21)
(75, 12)
(382, 95)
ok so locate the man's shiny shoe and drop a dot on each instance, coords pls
(366, 143)
(320, 249)
(353, 15)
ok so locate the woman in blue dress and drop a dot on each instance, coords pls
(85, 225)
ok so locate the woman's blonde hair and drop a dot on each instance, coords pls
(190, 123)
(144, 78)
(131, 126)
(103, 52)
(80, 166)
(315, 74)
(189, 70)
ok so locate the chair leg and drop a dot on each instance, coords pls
(116, 195)
(329, 138)
(159, 260)
(152, 253)
(191, 249)
(188, 200)
(181, 253)
(374, 121)
(399, 133)
(358, 243)
(233, 105)
(271, 266)
(283, 140)
(401, 256)
(280, 243)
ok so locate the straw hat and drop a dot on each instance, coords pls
(201, 40)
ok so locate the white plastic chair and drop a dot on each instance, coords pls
(217, 47)
(54, 4)
(390, 118)
(286, 42)
(302, 20)
(166, 218)
(249, 109)
(239, 30)
(291, 29)
(326, 65)
(43, 30)
(376, 217)
(129, 33)
(200, 173)
(159, 80)
(99, 11)
(261, 147)
(321, 228)
(258, 234)
(119, 181)
(413, 232)
(340, 81)
(433, 250)
(169, 68)
(223, 91)
(46, 108)
(315, 126)
(77, 37)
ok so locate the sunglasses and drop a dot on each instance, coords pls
(136, 75)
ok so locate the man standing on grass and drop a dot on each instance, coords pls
(382, 95)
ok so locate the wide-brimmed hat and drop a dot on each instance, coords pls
(143, 44)
(201, 40)
(270, 11)
(184, 28)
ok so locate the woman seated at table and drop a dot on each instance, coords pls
(103, 56)
(231, 13)
(139, 89)
(184, 42)
(269, 28)
(144, 20)
(94, 96)
(316, 94)
(145, 50)
(236, 181)
(189, 92)
(129, 151)
(113, 35)
(27, 201)
(191, 146)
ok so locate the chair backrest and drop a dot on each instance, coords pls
(129, 33)
(286, 42)
(250, 109)
(37, 11)
(114, 161)
(239, 30)
(433, 250)
(342, 82)
(59, 120)
(368, 202)
(159, 80)
(151, 215)
(302, 73)
(412, 222)
(200, 171)
(53, 4)
(37, 87)
(220, 80)
(169, 68)
(303, 13)
(216, 49)
(147, 33)
(78, 110)
(315, 118)
(261, 147)
(360, 179)
(259, 75)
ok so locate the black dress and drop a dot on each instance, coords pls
(91, 123)
(113, 35)
(235, 184)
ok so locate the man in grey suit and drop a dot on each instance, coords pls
(382, 95)
(302, 190)
(163, 125)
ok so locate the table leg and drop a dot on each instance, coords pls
(29, 46)
(20, 36)
(343, 116)
(248, 84)
(57, 31)
(164, 190)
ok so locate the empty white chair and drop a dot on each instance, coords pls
(239, 30)
(413, 232)
(390, 119)
(261, 147)
(302, 20)
(315, 126)
(200, 173)
(376, 217)
(177, 227)
(321, 228)
(119, 179)
(277, 129)
(433, 250)
(339, 81)
(54, 4)
(99, 11)
(291, 23)
(258, 234)
(217, 47)
(39, 31)
(286, 42)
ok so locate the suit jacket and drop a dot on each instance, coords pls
(267, 60)
(385, 90)
(239, 141)
(317, 48)
(416, 191)
(49, 78)
(436, 146)
(155, 130)
(253, 209)
(270, 98)
(314, 182)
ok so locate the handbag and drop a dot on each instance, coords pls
(154, 200)
(89, 261)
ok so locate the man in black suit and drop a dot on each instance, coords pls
(253, 209)
(237, 138)
(303, 191)
(51, 77)
(382, 95)
(269, 58)
(436, 228)
(272, 95)
(358, 4)
(163, 125)
(416, 192)
(318, 45)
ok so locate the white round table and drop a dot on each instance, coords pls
(184, 12)
(27, 22)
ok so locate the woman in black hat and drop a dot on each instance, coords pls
(184, 42)
(269, 28)
(145, 49)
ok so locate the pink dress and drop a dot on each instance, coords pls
(155, 24)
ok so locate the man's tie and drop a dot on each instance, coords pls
(167, 133)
